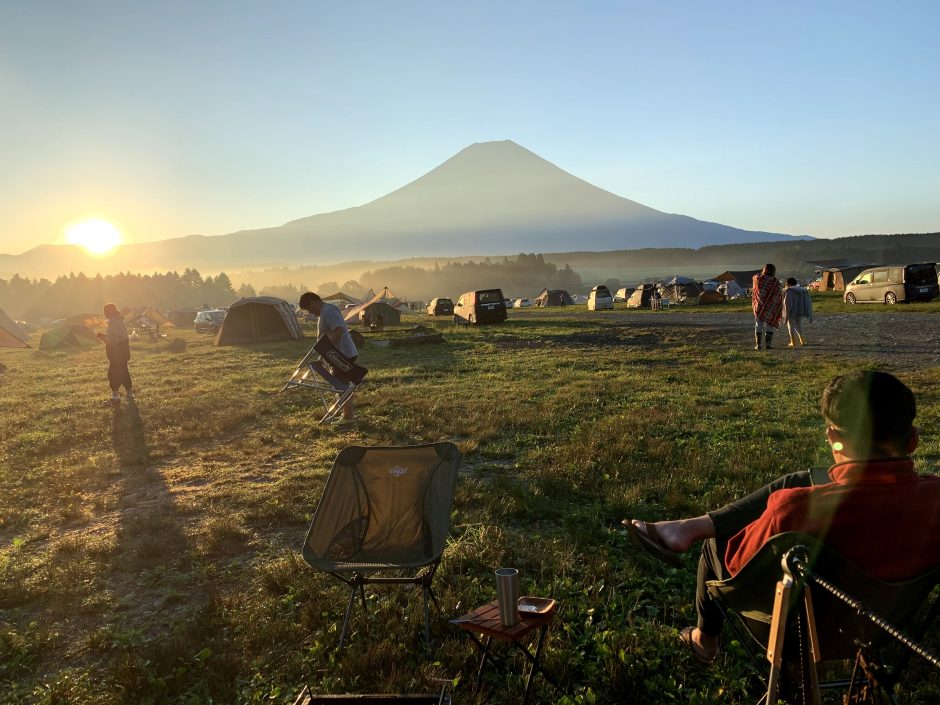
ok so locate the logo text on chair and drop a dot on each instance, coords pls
(397, 471)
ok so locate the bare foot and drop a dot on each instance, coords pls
(681, 534)
(703, 646)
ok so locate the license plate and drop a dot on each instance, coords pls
(923, 290)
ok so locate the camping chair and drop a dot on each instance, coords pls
(844, 615)
(326, 370)
(384, 510)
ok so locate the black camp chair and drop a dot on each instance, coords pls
(384, 510)
(326, 370)
(844, 615)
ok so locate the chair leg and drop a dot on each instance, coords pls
(427, 619)
(349, 607)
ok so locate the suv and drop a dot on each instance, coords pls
(441, 307)
(891, 284)
(209, 321)
(484, 306)
(600, 299)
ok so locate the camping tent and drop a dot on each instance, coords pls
(580, 298)
(710, 296)
(623, 294)
(732, 289)
(89, 320)
(679, 289)
(9, 339)
(641, 296)
(835, 278)
(553, 297)
(12, 326)
(149, 317)
(353, 315)
(259, 319)
(67, 338)
(184, 317)
(341, 298)
(742, 278)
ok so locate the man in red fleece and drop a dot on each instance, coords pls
(872, 507)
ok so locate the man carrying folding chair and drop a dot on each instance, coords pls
(330, 324)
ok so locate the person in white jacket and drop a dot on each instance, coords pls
(797, 304)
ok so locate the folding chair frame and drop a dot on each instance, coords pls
(306, 376)
(796, 575)
(358, 581)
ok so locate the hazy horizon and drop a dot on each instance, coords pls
(209, 118)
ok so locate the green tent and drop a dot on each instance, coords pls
(67, 338)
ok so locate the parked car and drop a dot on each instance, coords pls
(484, 306)
(522, 303)
(890, 284)
(600, 299)
(209, 321)
(441, 307)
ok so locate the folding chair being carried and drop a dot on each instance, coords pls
(844, 615)
(326, 370)
(384, 510)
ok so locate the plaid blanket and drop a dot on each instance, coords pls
(766, 299)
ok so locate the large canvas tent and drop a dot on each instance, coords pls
(354, 315)
(836, 278)
(341, 297)
(553, 297)
(641, 296)
(67, 338)
(711, 296)
(9, 339)
(743, 278)
(259, 319)
(679, 289)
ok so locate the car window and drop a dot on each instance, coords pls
(490, 297)
(921, 273)
(880, 276)
(862, 279)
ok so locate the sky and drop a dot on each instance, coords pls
(177, 117)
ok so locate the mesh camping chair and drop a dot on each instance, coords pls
(384, 510)
(326, 370)
(844, 615)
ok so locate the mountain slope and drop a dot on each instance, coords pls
(492, 197)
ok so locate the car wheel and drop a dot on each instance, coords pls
(469, 320)
(850, 298)
(891, 298)
(456, 320)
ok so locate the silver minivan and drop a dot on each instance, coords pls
(890, 284)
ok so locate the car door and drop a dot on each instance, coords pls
(862, 288)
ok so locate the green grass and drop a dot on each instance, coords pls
(154, 557)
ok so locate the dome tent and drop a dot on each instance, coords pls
(259, 319)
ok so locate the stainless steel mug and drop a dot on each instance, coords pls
(507, 593)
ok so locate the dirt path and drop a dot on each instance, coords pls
(900, 340)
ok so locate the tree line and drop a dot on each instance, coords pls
(36, 299)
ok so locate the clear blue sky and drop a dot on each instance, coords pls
(171, 118)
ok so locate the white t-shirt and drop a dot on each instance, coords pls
(329, 320)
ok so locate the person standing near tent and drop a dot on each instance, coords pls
(331, 324)
(767, 303)
(797, 304)
(118, 351)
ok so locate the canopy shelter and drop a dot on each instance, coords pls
(354, 315)
(553, 297)
(259, 319)
(67, 338)
(341, 297)
(743, 278)
(149, 317)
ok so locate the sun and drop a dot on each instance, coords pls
(97, 237)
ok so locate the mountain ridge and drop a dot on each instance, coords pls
(496, 197)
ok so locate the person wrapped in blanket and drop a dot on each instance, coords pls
(118, 351)
(767, 303)
(872, 507)
(797, 305)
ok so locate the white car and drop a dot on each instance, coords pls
(600, 299)
(522, 303)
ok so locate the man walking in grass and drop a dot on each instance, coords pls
(330, 323)
(797, 304)
(118, 351)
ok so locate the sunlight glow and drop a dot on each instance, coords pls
(98, 237)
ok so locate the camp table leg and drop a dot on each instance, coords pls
(486, 654)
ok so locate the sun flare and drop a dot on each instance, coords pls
(98, 237)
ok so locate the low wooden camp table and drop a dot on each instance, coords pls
(484, 622)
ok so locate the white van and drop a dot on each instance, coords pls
(600, 299)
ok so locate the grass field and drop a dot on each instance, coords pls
(152, 556)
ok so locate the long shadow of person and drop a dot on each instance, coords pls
(128, 437)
